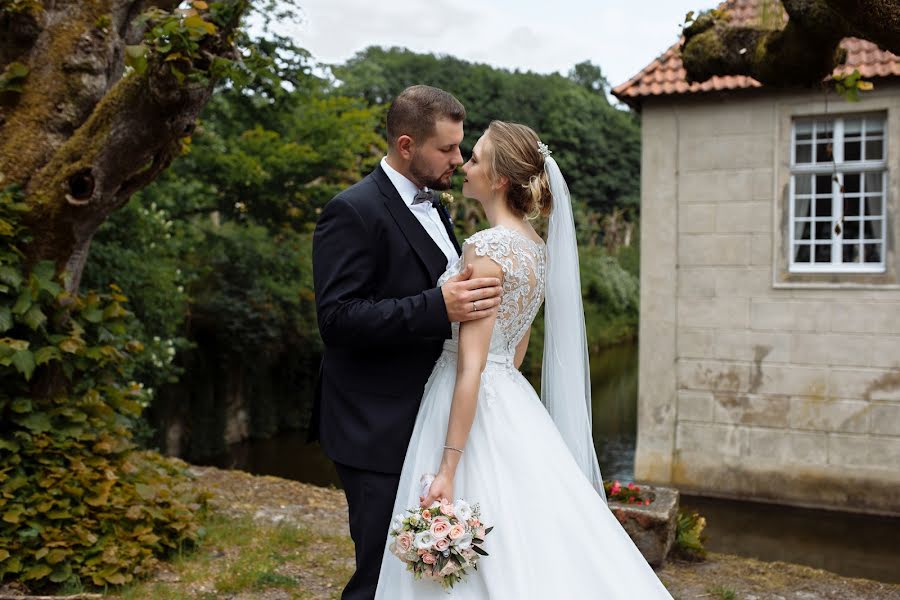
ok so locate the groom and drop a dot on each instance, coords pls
(378, 251)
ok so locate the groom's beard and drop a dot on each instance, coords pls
(425, 179)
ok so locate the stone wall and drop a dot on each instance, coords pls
(755, 383)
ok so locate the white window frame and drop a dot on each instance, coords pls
(836, 171)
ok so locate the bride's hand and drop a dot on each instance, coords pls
(441, 487)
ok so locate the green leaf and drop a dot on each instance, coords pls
(23, 303)
(21, 405)
(62, 573)
(46, 354)
(4, 554)
(37, 572)
(23, 360)
(44, 271)
(37, 422)
(35, 317)
(136, 58)
(10, 276)
(9, 445)
(6, 319)
(92, 314)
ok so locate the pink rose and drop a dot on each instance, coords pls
(428, 558)
(426, 514)
(447, 507)
(440, 528)
(442, 544)
(449, 569)
(457, 531)
(404, 542)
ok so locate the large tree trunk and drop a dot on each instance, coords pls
(802, 52)
(80, 138)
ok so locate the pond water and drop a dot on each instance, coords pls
(844, 543)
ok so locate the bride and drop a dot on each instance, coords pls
(528, 461)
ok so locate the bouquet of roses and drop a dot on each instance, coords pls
(439, 542)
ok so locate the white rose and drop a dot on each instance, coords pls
(424, 540)
(396, 523)
(464, 542)
(463, 510)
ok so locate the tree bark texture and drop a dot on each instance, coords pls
(80, 138)
(803, 51)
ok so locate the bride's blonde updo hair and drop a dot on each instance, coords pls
(513, 153)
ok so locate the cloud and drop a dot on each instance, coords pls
(621, 37)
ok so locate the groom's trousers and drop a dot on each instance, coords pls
(370, 498)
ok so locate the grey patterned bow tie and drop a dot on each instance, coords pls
(426, 195)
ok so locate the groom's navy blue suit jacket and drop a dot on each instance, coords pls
(382, 320)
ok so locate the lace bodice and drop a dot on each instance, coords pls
(523, 262)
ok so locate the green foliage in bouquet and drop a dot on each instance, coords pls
(689, 536)
(78, 503)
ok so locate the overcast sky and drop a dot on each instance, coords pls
(542, 36)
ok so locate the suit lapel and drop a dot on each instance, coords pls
(432, 257)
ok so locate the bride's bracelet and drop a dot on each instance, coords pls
(452, 448)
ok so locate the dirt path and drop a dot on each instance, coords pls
(301, 532)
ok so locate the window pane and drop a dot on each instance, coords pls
(803, 130)
(872, 253)
(852, 127)
(803, 184)
(823, 130)
(801, 207)
(851, 183)
(873, 182)
(873, 207)
(851, 207)
(823, 185)
(823, 151)
(801, 253)
(874, 150)
(852, 150)
(823, 253)
(873, 230)
(823, 230)
(802, 230)
(851, 230)
(803, 153)
(823, 207)
(874, 126)
(851, 253)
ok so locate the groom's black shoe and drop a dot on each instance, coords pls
(370, 497)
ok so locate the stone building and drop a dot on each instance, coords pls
(770, 285)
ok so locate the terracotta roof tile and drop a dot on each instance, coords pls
(665, 76)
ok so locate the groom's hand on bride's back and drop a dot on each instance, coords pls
(469, 299)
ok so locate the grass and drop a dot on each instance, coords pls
(720, 592)
(241, 555)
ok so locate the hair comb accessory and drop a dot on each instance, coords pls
(544, 149)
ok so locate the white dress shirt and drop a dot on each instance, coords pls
(425, 212)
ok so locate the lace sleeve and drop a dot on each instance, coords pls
(495, 244)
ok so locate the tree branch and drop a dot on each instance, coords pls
(804, 52)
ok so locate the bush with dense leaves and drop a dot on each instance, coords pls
(77, 501)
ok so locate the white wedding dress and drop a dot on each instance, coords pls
(554, 536)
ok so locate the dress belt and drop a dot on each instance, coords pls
(494, 357)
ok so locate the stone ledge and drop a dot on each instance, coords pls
(650, 527)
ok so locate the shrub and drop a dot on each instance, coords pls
(77, 501)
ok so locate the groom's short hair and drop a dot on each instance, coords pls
(417, 109)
